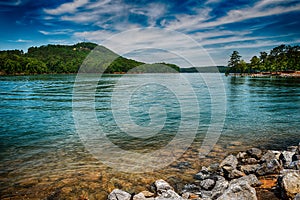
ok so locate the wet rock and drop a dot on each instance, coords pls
(250, 179)
(169, 195)
(207, 184)
(269, 155)
(271, 167)
(162, 186)
(117, 194)
(290, 184)
(286, 158)
(254, 153)
(230, 161)
(203, 174)
(240, 190)
(249, 169)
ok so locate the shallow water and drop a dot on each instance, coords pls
(43, 155)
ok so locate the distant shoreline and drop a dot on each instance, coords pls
(283, 74)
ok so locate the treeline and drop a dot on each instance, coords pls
(65, 59)
(281, 58)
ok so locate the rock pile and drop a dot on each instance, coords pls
(236, 177)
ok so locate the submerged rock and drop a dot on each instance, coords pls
(117, 194)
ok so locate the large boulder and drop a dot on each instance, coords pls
(271, 167)
(230, 161)
(290, 184)
(117, 194)
(250, 179)
(220, 186)
(269, 155)
(240, 190)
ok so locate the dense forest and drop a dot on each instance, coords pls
(281, 58)
(68, 59)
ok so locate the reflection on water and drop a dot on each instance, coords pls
(41, 155)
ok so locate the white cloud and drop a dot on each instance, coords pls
(56, 32)
(263, 8)
(20, 41)
(71, 7)
(11, 3)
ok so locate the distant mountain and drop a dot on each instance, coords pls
(208, 69)
(69, 58)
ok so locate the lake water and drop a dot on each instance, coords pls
(50, 147)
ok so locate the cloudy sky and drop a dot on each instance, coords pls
(219, 26)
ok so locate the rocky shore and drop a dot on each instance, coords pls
(250, 175)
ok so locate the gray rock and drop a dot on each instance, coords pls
(290, 184)
(269, 155)
(250, 179)
(254, 153)
(203, 174)
(277, 154)
(207, 184)
(233, 174)
(241, 155)
(297, 197)
(139, 196)
(295, 165)
(239, 191)
(250, 161)
(220, 186)
(162, 186)
(191, 188)
(271, 167)
(169, 195)
(286, 157)
(117, 194)
(249, 169)
(229, 161)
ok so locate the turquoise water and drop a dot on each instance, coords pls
(42, 155)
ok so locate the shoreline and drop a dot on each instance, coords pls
(295, 74)
(252, 174)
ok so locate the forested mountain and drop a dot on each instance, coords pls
(69, 58)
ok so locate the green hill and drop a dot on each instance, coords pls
(68, 59)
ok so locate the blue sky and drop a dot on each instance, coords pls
(219, 26)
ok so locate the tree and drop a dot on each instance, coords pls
(234, 61)
(254, 64)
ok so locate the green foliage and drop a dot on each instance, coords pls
(67, 59)
(281, 58)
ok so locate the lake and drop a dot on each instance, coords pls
(65, 137)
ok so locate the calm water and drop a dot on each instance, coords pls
(43, 156)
